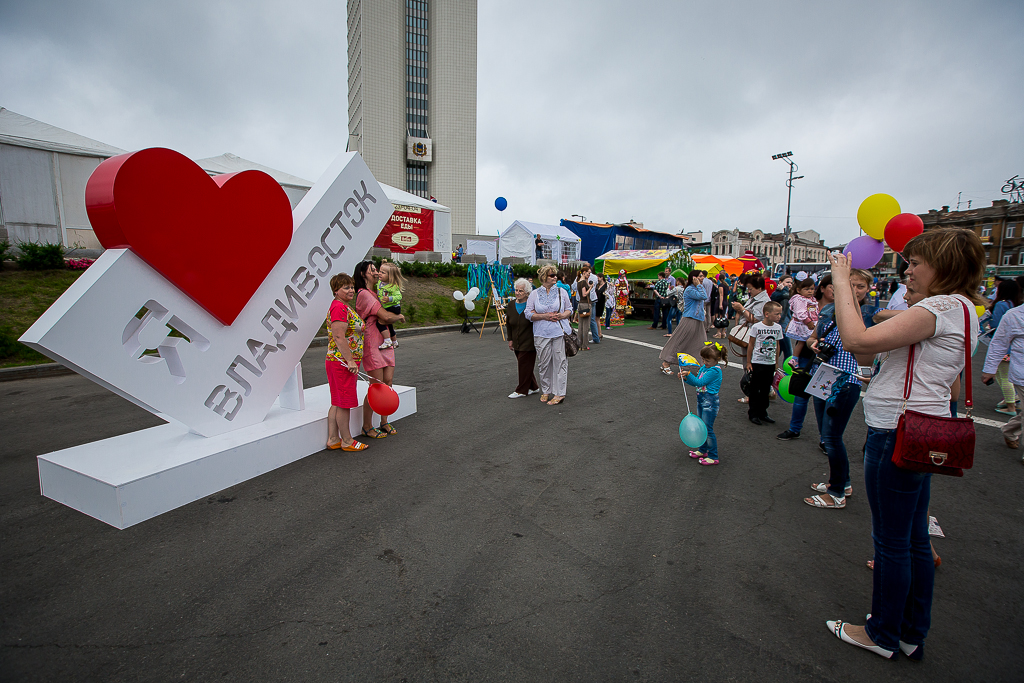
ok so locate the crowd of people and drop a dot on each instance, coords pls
(806, 321)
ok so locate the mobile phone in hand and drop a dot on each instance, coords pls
(989, 382)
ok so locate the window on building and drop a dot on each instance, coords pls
(986, 231)
(1010, 230)
(1006, 259)
(1020, 259)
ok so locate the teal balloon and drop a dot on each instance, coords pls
(784, 392)
(786, 367)
(693, 431)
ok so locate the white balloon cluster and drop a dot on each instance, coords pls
(467, 298)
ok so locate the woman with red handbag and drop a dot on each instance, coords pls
(920, 353)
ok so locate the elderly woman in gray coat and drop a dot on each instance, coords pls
(520, 339)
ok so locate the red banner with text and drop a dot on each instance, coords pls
(409, 229)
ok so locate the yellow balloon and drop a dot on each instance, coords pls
(875, 212)
(980, 310)
(686, 359)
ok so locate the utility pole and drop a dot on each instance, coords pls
(793, 168)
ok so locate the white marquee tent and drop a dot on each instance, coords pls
(560, 244)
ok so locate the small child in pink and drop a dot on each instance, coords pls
(804, 310)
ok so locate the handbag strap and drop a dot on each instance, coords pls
(908, 380)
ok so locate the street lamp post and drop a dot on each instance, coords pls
(789, 198)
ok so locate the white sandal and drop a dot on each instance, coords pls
(823, 488)
(820, 502)
(667, 371)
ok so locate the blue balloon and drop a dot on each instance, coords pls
(693, 431)
(500, 204)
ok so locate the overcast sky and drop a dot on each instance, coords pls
(664, 112)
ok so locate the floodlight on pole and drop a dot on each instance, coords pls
(789, 198)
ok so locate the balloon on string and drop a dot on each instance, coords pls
(693, 431)
(467, 298)
(784, 393)
(874, 212)
(500, 203)
(901, 229)
(383, 399)
(864, 252)
(686, 360)
(786, 367)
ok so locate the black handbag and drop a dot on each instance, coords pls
(721, 322)
(571, 340)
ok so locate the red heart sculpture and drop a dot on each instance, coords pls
(216, 239)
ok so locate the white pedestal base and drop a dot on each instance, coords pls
(128, 479)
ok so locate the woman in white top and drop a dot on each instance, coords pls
(945, 269)
(548, 308)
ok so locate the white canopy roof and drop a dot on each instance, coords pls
(230, 163)
(22, 131)
(517, 240)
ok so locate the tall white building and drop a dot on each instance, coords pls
(412, 98)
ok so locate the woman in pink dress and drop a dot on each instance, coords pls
(378, 363)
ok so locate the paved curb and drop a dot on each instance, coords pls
(55, 369)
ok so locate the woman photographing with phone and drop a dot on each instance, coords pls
(945, 269)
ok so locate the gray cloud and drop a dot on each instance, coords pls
(665, 112)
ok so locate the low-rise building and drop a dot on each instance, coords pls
(805, 246)
(1000, 227)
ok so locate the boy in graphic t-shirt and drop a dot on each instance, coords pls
(763, 353)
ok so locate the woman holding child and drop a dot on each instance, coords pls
(945, 270)
(378, 362)
(690, 334)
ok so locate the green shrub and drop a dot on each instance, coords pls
(524, 270)
(410, 312)
(460, 309)
(438, 312)
(5, 247)
(40, 256)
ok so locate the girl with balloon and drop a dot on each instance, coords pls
(708, 380)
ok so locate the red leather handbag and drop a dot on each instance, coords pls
(928, 443)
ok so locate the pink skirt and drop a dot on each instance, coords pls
(343, 385)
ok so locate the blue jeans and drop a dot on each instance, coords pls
(674, 316)
(707, 410)
(833, 421)
(904, 574)
(656, 312)
(595, 331)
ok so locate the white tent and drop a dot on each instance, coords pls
(560, 244)
(43, 171)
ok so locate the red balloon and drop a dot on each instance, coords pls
(901, 229)
(770, 285)
(383, 399)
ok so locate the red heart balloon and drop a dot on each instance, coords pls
(216, 239)
(383, 399)
(902, 228)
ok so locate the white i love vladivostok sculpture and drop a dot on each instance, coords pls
(208, 294)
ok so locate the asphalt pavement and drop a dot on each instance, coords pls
(495, 539)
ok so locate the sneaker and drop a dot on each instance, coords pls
(385, 345)
(531, 392)
(516, 394)
(768, 420)
(708, 461)
(788, 435)
(821, 447)
(394, 343)
(696, 455)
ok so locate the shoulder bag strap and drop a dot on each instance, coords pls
(968, 402)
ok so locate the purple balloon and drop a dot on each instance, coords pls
(864, 252)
